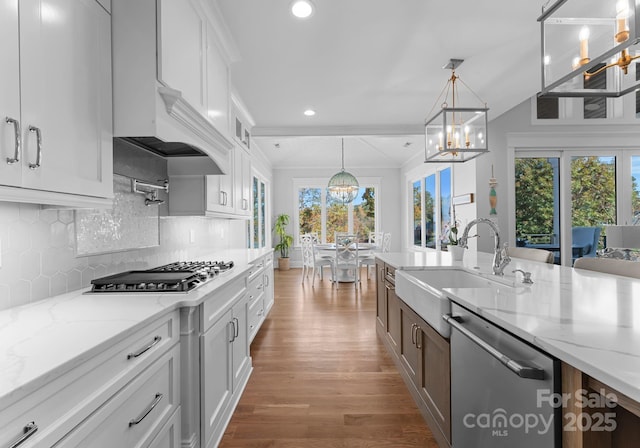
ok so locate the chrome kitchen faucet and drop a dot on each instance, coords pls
(500, 257)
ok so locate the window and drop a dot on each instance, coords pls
(431, 208)
(582, 186)
(258, 225)
(319, 213)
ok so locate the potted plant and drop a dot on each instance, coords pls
(457, 252)
(280, 228)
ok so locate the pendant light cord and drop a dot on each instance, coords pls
(343, 154)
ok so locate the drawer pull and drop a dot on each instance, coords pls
(29, 430)
(236, 328)
(144, 349)
(146, 412)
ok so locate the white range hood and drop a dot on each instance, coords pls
(150, 114)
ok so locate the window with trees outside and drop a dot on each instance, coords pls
(319, 213)
(431, 208)
(595, 196)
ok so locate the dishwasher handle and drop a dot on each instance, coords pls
(534, 373)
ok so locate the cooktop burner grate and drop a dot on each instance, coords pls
(181, 276)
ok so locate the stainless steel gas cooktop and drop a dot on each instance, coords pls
(181, 276)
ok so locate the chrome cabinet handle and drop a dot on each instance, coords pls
(35, 166)
(236, 328)
(413, 334)
(221, 198)
(144, 349)
(534, 373)
(29, 430)
(17, 138)
(418, 337)
(245, 204)
(266, 280)
(146, 412)
(389, 287)
(233, 332)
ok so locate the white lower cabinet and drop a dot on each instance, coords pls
(92, 404)
(169, 434)
(225, 365)
(133, 417)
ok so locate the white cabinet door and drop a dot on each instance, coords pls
(242, 181)
(217, 377)
(269, 295)
(182, 50)
(217, 85)
(10, 172)
(241, 360)
(220, 194)
(65, 66)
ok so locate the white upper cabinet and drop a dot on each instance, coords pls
(65, 101)
(217, 83)
(10, 172)
(242, 180)
(181, 53)
(191, 59)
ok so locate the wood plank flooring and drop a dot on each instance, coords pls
(321, 378)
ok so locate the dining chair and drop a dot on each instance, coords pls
(368, 259)
(346, 257)
(386, 242)
(609, 266)
(312, 261)
(529, 253)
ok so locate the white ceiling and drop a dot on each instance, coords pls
(372, 68)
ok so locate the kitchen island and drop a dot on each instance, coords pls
(588, 320)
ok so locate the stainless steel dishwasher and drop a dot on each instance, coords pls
(502, 388)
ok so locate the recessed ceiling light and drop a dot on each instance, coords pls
(302, 8)
(309, 112)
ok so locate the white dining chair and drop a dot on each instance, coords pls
(609, 266)
(530, 253)
(368, 259)
(386, 242)
(346, 257)
(312, 261)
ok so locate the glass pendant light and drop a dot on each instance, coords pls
(343, 186)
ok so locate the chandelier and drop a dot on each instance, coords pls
(343, 186)
(455, 134)
(588, 48)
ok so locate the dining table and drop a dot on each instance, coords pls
(345, 274)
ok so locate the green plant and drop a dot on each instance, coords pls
(453, 235)
(286, 240)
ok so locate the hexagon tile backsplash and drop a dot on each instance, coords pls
(39, 260)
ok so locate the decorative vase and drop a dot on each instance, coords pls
(283, 264)
(457, 252)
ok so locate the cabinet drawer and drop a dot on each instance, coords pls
(256, 270)
(256, 315)
(220, 301)
(169, 434)
(65, 401)
(134, 416)
(255, 288)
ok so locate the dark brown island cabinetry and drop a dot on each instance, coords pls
(421, 354)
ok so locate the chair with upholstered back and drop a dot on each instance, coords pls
(311, 260)
(529, 253)
(346, 257)
(609, 266)
(585, 238)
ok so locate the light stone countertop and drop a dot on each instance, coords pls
(43, 340)
(587, 319)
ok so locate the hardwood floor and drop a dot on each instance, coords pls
(321, 378)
